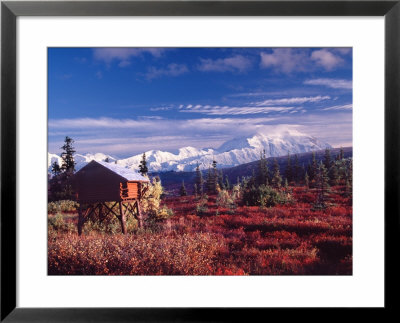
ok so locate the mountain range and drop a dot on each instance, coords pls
(231, 153)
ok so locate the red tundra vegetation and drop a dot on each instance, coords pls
(203, 236)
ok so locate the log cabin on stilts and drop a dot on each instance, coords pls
(101, 186)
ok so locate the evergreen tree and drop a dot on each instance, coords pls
(262, 176)
(306, 181)
(349, 177)
(182, 190)
(333, 175)
(59, 186)
(297, 169)
(341, 154)
(143, 165)
(215, 173)
(303, 171)
(276, 176)
(286, 184)
(253, 179)
(289, 171)
(199, 181)
(68, 164)
(312, 168)
(210, 182)
(221, 180)
(195, 190)
(55, 169)
(215, 176)
(322, 186)
(327, 159)
(227, 184)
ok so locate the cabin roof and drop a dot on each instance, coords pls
(126, 173)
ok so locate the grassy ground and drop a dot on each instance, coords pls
(203, 238)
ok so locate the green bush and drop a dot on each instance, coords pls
(164, 213)
(57, 223)
(265, 195)
(62, 206)
(110, 225)
(227, 200)
(201, 207)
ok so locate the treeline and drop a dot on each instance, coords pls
(268, 186)
(59, 187)
(214, 182)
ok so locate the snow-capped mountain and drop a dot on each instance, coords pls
(80, 160)
(232, 153)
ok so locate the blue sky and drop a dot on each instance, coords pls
(124, 101)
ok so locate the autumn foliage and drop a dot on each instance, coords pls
(215, 235)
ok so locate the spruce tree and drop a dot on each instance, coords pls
(327, 159)
(312, 169)
(297, 169)
(306, 181)
(68, 163)
(349, 177)
(322, 186)
(289, 172)
(199, 181)
(341, 154)
(227, 184)
(143, 165)
(214, 176)
(182, 190)
(253, 179)
(262, 176)
(221, 180)
(215, 172)
(276, 176)
(55, 169)
(333, 175)
(210, 182)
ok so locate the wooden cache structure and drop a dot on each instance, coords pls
(99, 183)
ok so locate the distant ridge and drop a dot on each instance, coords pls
(231, 153)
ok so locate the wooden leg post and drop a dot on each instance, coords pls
(123, 218)
(80, 220)
(101, 213)
(139, 214)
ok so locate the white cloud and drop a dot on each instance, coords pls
(332, 83)
(82, 123)
(339, 107)
(171, 70)
(147, 126)
(343, 50)
(226, 110)
(126, 137)
(236, 63)
(285, 60)
(326, 59)
(161, 108)
(297, 100)
(124, 54)
(289, 60)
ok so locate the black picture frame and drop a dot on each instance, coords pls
(10, 10)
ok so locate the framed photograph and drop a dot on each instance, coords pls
(178, 154)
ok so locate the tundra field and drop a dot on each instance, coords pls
(210, 235)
